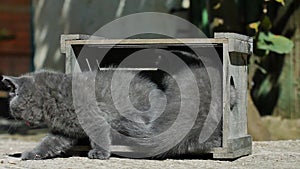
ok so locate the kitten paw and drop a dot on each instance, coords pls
(98, 154)
(29, 155)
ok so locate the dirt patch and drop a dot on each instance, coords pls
(272, 154)
(282, 129)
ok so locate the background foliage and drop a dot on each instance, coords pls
(274, 67)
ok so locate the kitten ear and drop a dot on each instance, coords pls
(9, 82)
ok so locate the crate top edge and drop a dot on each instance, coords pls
(147, 41)
(217, 35)
(231, 35)
(233, 39)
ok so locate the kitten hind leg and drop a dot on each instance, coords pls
(51, 146)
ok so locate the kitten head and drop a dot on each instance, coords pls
(24, 103)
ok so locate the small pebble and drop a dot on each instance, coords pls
(12, 162)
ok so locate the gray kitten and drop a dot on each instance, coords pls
(47, 97)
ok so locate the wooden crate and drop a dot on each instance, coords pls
(233, 50)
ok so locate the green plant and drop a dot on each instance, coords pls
(264, 40)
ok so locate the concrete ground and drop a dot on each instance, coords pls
(273, 154)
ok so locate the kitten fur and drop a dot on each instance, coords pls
(46, 97)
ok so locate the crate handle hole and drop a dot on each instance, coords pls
(233, 94)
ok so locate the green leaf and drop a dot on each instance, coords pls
(274, 43)
(254, 25)
(281, 1)
(204, 18)
(217, 6)
(266, 23)
(265, 87)
(217, 22)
